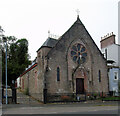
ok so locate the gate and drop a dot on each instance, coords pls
(11, 95)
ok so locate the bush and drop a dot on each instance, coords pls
(95, 95)
(66, 98)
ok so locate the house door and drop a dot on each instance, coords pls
(79, 85)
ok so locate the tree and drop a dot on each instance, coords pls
(9, 40)
(18, 58)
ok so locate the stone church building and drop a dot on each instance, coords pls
(72, 64)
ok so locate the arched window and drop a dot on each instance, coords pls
(99, 75)
(115, 76)
(58, 74)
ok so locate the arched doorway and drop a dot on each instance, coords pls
(80, 81)
(79, 86)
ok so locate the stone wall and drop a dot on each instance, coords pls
(44, 76)
(59, 56)
(30, 83)
(42, 66)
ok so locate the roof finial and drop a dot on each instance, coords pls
(48, 33)
(77, 13)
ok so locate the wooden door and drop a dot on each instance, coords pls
(79, 86)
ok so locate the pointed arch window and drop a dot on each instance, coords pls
(58, 74)
(99, 75)
(115, 75)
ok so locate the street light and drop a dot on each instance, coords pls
(5, 40)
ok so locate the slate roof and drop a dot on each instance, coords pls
(50, 42)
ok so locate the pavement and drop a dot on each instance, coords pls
(25, 99)
(27, 105)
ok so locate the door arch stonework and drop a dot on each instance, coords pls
(80, 74)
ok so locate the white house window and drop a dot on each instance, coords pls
(115, 75)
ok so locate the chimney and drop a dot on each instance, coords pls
(107, 40)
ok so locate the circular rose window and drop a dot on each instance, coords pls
(78, 53)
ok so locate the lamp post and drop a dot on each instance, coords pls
(5, 40)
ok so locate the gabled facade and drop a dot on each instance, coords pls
(73, 64)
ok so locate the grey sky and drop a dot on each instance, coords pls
(31, 19)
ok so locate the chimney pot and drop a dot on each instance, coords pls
(109, 39)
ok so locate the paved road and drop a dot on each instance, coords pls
(28, 105)
(76, 108)
(63, 110)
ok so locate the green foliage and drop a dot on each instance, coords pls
(17, 58)
(111, 98)
(95, 94)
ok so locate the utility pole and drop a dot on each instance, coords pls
(1, 89)
(6, 71)
(5, 40)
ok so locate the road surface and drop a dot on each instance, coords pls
(69, 108)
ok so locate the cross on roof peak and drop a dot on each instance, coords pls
(77, 10)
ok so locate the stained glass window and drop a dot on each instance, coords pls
(78, 53)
